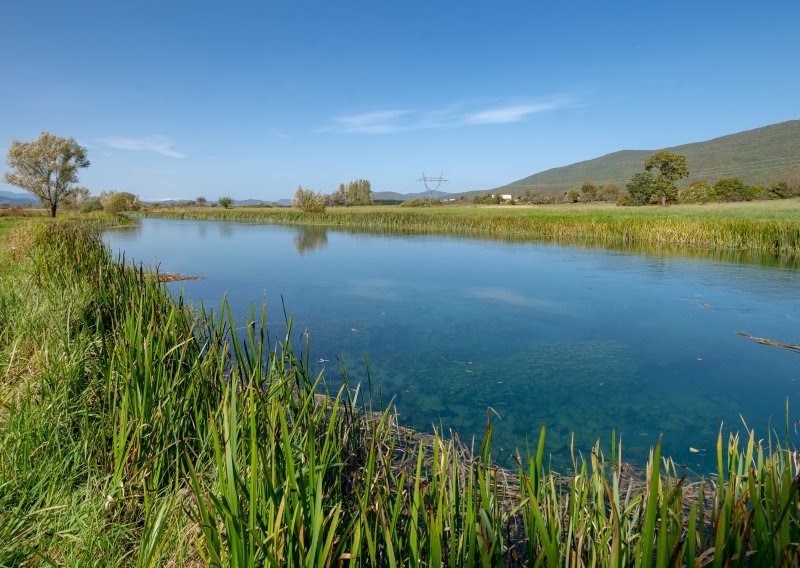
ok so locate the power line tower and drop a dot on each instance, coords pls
(432, 185)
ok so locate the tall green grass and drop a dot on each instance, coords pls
(136, 431)
(772, 237)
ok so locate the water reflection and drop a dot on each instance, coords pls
(225, 230)
(309, 238)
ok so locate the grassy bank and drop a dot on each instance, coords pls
(769, 228)
(137, 432)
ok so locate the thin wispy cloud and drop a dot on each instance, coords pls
(507, 114)
(458, 114)
(157, 143)
(381, 122)
(278, 133)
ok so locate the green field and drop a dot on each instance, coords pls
(769, 228)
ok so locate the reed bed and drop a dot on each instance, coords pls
(137, 431)
(772, 237)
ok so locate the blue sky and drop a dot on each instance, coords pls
(252, 99)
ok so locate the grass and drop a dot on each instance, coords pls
(769, 228)
(137, 432)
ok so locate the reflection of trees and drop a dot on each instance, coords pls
(225, 230)
(308, 238)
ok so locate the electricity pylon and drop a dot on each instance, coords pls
(432, 185)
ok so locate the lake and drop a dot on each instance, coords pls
(584, 340)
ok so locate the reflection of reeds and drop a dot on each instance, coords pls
(310, 237)
(178, 433)
(767, 236)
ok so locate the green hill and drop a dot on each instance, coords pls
(762, 155)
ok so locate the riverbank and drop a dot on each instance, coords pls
(137, 432)
(768, 228)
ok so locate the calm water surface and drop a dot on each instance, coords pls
(582, 340)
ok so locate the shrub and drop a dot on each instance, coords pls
(641, 188)
(92, 204)
(779, 190)
(420, 202)
(309, 201)
(733, 189)
(697, 192)
(117, 201)
(225, 201)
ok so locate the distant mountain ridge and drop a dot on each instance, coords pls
(761, 155)
(14, 198)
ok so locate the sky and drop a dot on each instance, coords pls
(251, 99)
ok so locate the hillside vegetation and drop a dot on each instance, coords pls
(757, 156)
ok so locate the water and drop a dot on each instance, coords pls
(582, 340)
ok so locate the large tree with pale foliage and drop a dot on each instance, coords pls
(46, 167)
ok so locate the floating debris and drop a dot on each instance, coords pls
(173, 277)
(764, 341)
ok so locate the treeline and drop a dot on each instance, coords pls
(587, 193)
(657, 185)
(356, 192)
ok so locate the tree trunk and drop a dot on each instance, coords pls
(53, 210)
(663, 200)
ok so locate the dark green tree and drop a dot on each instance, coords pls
(779, 190)
(732, 189)
(641, 188)
(588, 191)
(671, 167)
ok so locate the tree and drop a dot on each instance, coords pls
(76, 198)
(698, 192)
(588, 192)
(641, 188)
(359, 192)
(118, 201)
(201, 201)
(46, 167)
(364, 192)
(225, 202)
(671, 167)
(309, 201)
(732, 189)
(779, 190)
(610, 192)
(92, 204)
(572, 196)
(338, 197)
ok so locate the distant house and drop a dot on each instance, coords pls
(506, 197)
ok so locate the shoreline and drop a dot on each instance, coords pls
(603, 226)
